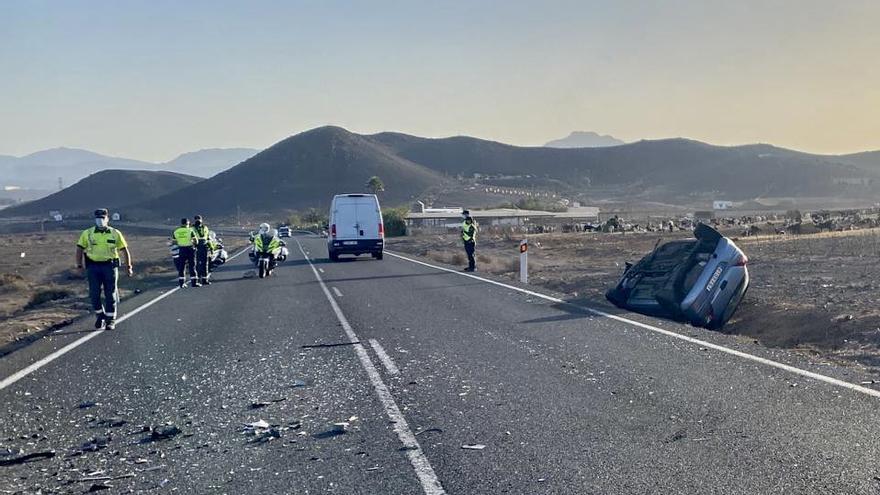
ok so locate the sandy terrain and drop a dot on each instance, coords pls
(815, 293)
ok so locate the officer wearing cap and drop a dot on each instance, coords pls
(184, 237)
(98, 250)
(469, 238)
(202, 234)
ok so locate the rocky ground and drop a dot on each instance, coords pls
(814, 293)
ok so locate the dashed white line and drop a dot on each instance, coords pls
(425, 473)
(769, 362)
(321, 270)
(336, 291)
(18, 375)
(392, 368)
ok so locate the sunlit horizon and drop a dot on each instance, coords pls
(149, 81)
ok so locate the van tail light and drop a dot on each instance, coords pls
(743, 260)
(381, 230)
(333, 231)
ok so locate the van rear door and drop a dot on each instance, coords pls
(346, 219)
(369, 217)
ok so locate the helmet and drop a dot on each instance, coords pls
(264, 228)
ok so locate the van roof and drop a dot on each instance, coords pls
(355, 195)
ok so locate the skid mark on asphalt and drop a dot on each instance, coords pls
(769, 362)
(422, 467)
(392, 368)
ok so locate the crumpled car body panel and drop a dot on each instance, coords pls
(700, 281)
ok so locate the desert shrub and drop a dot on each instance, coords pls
(458, 259)
(48, 294)
(395, 221)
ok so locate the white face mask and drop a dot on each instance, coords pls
(101, 222)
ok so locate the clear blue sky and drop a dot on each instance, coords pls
(151, 79)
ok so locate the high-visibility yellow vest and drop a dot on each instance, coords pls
(466, 234)
(184, 236)
(102, 245)
(201, 233)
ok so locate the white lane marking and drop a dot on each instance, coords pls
(18, 375)
(321, 270)
(236, 255)
(430, 483)
(769, 362)
(336, 291)
(385, 358)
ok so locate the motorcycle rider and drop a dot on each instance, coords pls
(267, 242)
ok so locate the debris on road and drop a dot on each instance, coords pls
(260, 404)
(341, 427)
(22, 459)
(476, 446)
(429, 430)
(338, 344)
(257, 425)
(88, 404)
(95, 444)
(298, 383)
(165, 432)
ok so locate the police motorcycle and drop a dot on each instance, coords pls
(268, 250)
(218, 254)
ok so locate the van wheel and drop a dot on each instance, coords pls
(378, 255)
(333, 256)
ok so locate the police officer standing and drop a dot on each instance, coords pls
(469, 238)
(98, 250)
(201, 238)
(185, 238)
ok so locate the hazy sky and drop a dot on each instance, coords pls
(151, 79)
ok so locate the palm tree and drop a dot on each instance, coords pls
(375, 185)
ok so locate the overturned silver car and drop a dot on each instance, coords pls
(700, 281)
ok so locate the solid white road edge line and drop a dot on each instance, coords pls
(18, 375)
(769, 362)
(425, 473)
(336, 291)
(385, 358)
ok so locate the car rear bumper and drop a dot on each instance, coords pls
(359, 246)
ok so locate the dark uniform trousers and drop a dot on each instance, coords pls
(185, 258)
(469, 248)
(202, 259)
(103, 275)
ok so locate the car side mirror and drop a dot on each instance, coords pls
(283, 243)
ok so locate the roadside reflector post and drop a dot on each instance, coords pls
(524, 261)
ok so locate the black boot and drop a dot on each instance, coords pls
(99, 321)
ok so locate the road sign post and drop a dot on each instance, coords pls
(524, 261)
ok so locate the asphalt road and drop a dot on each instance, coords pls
(420, 363)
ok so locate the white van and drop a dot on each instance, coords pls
(356, 226)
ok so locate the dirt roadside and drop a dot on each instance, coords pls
(816, 294)
(40, 292)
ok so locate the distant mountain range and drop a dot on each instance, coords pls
(307, 169)
(42, 170)
(584, 139)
